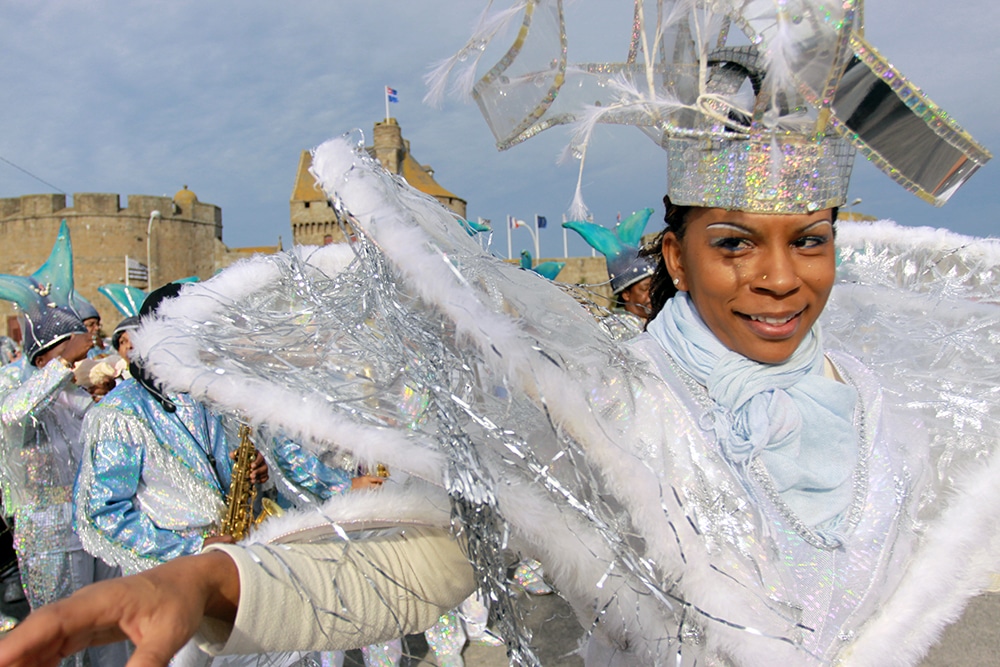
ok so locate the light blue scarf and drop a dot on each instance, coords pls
(797, 421)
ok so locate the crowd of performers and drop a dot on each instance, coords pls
(106, 473)
(736, 485)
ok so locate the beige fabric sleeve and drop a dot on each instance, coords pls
(340, 595)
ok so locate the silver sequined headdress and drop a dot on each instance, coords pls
(760, 104)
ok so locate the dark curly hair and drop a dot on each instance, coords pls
(662, 287)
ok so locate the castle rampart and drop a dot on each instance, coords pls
(185, 239)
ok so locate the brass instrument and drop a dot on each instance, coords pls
(238, 518)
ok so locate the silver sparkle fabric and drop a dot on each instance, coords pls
(41, 412)
(41, 419)
(413, 348)
(622, 325)
(152, 483)
(760, 104)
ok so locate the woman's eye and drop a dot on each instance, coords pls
(731, 243)
(813, 241)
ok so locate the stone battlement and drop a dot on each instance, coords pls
(104, 204)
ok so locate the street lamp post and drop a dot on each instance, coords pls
(155, 215)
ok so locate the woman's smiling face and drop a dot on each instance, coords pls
(759, 281)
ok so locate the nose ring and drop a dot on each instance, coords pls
(764, 277)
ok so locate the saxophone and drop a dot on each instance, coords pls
(238, 517)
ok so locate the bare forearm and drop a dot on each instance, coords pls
(215, 577)
(159, 610)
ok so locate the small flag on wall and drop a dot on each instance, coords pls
(136, 270)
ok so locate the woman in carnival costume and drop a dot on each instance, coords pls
(737, 486)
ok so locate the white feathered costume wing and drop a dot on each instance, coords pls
(413, 348)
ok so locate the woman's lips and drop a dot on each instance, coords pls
(773, 326)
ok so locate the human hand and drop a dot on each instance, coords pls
(366, 482)
(259, 472)
(159, 610)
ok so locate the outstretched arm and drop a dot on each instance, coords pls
(341, 594)
(159, 610)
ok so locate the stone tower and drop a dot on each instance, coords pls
(314, 222)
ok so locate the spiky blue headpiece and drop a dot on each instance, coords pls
(52, 308)
(620, 247)
(548, 270)
(126, 298)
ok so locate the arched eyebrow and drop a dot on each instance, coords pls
(742, 229)
(732, 226)
(813, 224)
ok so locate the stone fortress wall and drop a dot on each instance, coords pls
(186, 234)
(186, 240)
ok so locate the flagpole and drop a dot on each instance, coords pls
(126, 271)
(509, 254)
(534, 237)
(385, 89)
(538, 252)
(565, 246)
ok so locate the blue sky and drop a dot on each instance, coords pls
(146, 96)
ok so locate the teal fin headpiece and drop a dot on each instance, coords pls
(52, 308)
(126, 298)
(547, 270)
(473, 227)
(619, 247)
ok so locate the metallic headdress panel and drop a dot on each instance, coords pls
(47, 298)
(769, 98)
(619, 247)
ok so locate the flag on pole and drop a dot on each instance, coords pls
(540, 221)
(515, 222)
(390, 96)
(135, 270)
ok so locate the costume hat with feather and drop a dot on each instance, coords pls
(760, 104)
(52, 309)
(619, 247)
